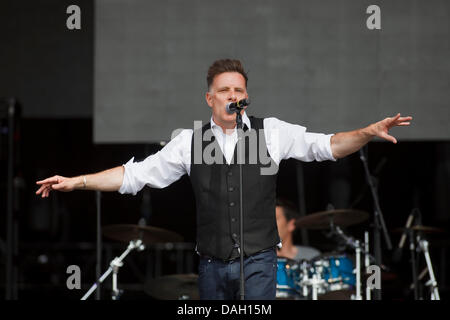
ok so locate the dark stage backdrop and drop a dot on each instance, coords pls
(310, 62)
(50, 70)
(46, 66)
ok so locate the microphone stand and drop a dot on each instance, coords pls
(239, 127)
(378, 218)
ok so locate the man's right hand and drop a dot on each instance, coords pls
(58, 183)
(107, 180)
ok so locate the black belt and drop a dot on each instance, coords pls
(234, 254)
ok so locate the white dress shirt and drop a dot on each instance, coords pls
(283, 140)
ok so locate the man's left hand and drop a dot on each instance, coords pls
(381, 128)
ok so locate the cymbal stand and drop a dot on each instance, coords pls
(367, 261)
(358, 270)
(355, 244)
(432, 283)
(114, 266)
(412, 250)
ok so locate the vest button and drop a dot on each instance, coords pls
(230, 189)
(230, 173)
(233, 219)
(231, 204)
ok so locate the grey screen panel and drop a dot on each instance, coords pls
(314, 63)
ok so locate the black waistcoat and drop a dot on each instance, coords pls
(216, 189)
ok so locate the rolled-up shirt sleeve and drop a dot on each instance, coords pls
(285, 140)
(160, 169)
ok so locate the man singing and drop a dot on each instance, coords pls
(216, 184)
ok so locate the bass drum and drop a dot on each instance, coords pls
(288, 276)
(338, 272)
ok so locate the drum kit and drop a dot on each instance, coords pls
(338, 275)
(330, 276)
(335, 275)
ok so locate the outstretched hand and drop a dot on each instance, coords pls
(381, 128)
(55, 183)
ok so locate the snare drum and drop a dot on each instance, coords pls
(287, 279)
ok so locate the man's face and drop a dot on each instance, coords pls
(226, 87)
(284, 227)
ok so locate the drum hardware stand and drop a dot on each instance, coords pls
(114, 266)
(355, 244)
(432, 283)
(316, 283)
(358, 270)
(305, 278)
(412, 249)
(420, 277)
(367, 260)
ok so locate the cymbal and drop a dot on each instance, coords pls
(148, 235)
(340, 217)
(420, 228)
(174, 287)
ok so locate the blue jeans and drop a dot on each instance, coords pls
(220, 280)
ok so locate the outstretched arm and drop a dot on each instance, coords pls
(345, 143)
(108, 180)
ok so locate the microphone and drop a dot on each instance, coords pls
(232, 107)
(398, 252)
